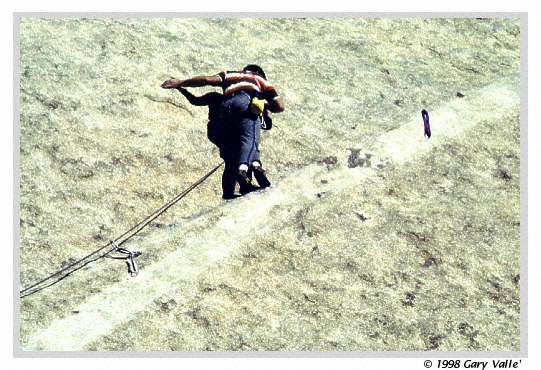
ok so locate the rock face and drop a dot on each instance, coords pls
(419, 255)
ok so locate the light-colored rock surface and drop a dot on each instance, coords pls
(422, 253)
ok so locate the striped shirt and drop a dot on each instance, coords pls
(236, 81)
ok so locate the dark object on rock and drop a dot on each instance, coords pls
(408, 300)
(516, 279)
(167, 306)
(434, 342)
(503, 174)
(329, 160)
(459, 94)
(465, 328)
(353, 157)
(426, 122)
(361, 216)
(429, 261)
(356, 159)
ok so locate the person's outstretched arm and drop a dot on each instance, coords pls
(275, 103)
(197, 100)
(198, 81)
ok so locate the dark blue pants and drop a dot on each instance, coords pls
(229, 152)
(244, 125)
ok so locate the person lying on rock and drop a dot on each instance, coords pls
(246, 95)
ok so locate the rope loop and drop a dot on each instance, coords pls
(113, 246)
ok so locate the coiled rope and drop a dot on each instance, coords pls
(113, 245)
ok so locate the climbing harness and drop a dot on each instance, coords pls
(113, 246)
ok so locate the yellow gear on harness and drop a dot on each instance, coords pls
(257, 106)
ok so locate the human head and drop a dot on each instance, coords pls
(255, 69)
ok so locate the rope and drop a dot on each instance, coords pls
(113, 245)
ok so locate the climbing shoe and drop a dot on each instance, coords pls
(261, 178)
(245, 183)
(229, 196)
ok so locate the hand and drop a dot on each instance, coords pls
(171, 84)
